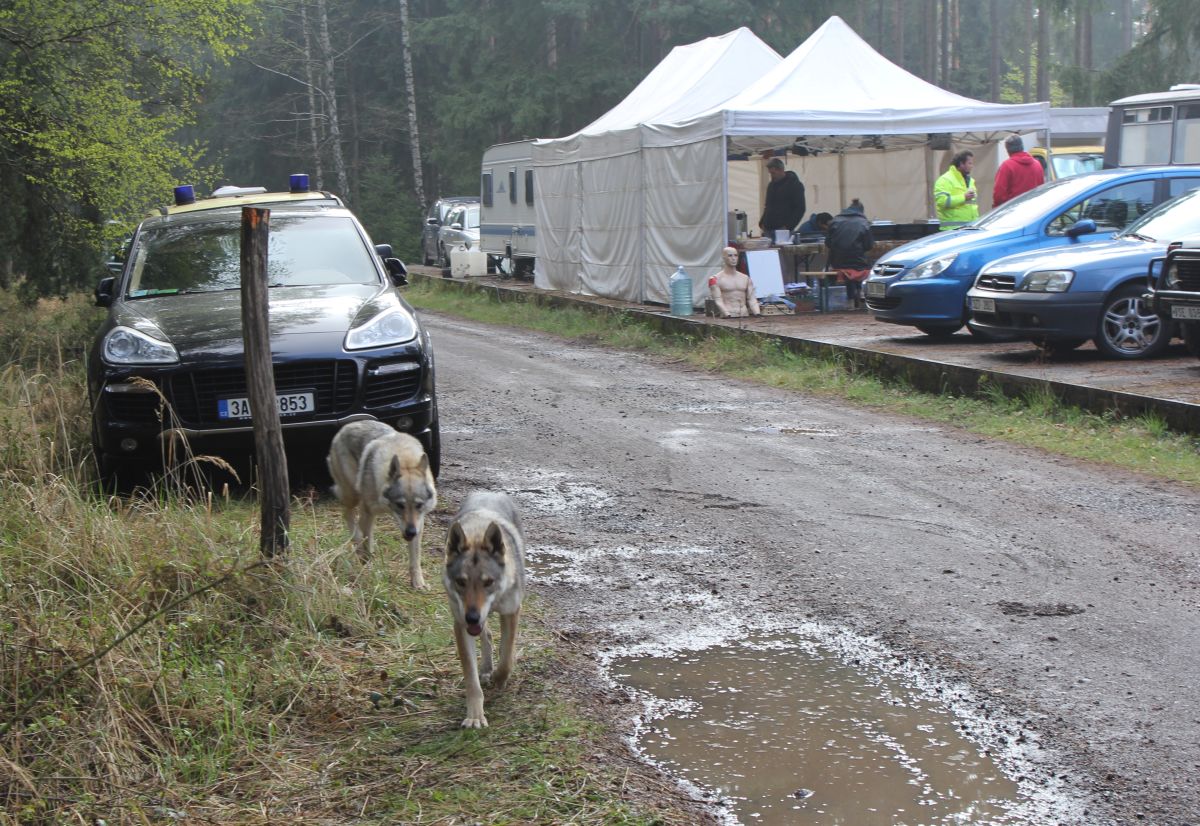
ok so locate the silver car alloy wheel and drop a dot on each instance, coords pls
(1129, 328)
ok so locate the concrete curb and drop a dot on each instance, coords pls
(924, 374)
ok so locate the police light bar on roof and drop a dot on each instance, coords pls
(234, 191)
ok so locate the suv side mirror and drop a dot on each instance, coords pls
(1084, 226)
(383, 250)
(1154, 270)
(456, 225)
(432, 222)
(114, 266)
(103, 291)
(397, 271)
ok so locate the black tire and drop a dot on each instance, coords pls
(425, 257)
(1060, 347)
(939, 330)
(1128, 327)
(1189, 331)
(431, 440)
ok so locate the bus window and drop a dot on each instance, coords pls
(1187, 134)
(1146, 136)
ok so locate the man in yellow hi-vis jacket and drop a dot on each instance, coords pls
(954, 193)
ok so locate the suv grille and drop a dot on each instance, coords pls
(1189, 273)
(391, 382)
(998, 283)
(194, 394)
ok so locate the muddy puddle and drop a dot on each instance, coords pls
(793, 722)
(785, 733)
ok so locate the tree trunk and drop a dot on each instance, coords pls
(551, 45)
(1043, 52)
(944, 41)
(335, 129)
(1125, 12)
(410, 90)
(994, 57)
(898, 23)
(931, 41)
(1027, 90)
(314, 129)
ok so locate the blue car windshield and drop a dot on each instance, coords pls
(1036, 204)
(1175, 220)
(204, 255)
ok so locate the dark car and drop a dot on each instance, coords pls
(924, 283)
(1175, 292)
(1063, 297)
(168, 362)
(434, 219)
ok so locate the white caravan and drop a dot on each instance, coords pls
(506, 217)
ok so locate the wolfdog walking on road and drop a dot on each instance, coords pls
(376, 470)
(485, 573)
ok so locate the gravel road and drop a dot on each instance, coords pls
(1055, 602)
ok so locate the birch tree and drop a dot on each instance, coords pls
(410, 88)
(330, 78)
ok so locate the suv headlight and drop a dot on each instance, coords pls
(932, 267)
(124, 345)
(1170, 278)
(1048, 281)
(394, 326)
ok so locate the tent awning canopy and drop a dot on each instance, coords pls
(834, 92)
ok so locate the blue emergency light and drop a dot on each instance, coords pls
(185, 195)
(299, 182)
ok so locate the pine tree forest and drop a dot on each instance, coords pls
(390, 103)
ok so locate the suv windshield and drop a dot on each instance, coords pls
(1031, 207)
(1177, 218)
(204, 254)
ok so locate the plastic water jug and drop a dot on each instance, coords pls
(681, 292)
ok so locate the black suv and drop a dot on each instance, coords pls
(1175, 290)
(167, 366)
(433, 224)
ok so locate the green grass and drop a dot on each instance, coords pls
(153, 669)
(1143, 444)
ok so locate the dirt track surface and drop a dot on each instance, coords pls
(1057, 601)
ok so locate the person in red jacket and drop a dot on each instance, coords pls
(1020, 173)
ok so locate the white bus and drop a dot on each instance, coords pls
(506, 217)
(1155, 129)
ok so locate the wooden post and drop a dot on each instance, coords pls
(260, 383)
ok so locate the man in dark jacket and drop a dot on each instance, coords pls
(1020, 173)
(785, 200)
(849, 239)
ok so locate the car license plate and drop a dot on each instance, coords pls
(876, 289)
(290, 404)
(1186, 313)
(983, 305)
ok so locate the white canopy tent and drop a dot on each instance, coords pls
(592, 186)
(853, 122)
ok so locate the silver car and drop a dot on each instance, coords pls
(460, 229)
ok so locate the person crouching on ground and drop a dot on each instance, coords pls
(849, 239)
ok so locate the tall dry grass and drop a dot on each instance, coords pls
(154, 670)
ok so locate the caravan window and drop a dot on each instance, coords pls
(512, 185)
(1187, 134)
(485, 188)
(1146, 136)
(529, 187)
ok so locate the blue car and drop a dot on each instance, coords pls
(1061, 298)
(924, 284)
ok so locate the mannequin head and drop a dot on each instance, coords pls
(729, 257)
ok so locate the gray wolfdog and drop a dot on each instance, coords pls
(485, 573)
(376, 470)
